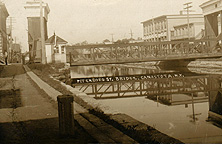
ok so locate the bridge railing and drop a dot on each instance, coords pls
(137, 52)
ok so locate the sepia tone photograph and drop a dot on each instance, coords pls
(110, 71)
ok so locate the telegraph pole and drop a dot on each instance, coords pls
(10, 42)
(11, 20)
(188, 6)
(131, 34)
(42, 34)
(112, 38)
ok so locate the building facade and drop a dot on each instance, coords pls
(3, 32)
(34, 29)
(180, 32)
(212, 11)
(55, 49)
(159, 28)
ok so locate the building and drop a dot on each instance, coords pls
(159, 28)
(3, 32)
(180, 32)
(55, 49)
(34, 34)
(212, 11)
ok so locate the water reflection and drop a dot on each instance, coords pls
(185, 116)
(112, 70)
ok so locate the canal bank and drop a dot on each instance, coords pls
(128, 125)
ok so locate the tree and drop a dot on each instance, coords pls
(84, 43)
(106, 41)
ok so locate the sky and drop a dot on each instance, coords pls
(95, 20)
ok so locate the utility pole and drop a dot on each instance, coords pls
(9, 49)
(188, 6)
(10, 29)
(42, 34)
(112, 38)
(131, 34)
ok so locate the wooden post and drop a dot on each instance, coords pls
(118, 89)
(96, 92)
(66, 116)
(141, 92)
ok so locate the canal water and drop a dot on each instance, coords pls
(183, 117)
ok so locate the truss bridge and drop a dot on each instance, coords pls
(143, 52)
(151, 85)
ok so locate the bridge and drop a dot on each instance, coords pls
(147, 85)
(143, 52)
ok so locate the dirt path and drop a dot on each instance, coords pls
(35, 120)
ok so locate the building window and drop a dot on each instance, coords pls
(62, 49)
(172, 33)
(56, 49)
(165, 26)
(144, 30)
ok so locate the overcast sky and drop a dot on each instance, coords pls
(95, 20)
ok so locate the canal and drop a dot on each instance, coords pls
(178, 102)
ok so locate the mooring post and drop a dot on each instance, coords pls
(66, 116)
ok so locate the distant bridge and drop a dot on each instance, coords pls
(143, 52)
(152, 85)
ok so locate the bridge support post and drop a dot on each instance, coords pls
(66, 116)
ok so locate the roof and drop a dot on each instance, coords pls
(175, 16)
(59, 40)
(193, 23)
(36, 4)
(208, 3)
(2, 5)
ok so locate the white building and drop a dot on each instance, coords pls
(55, 49)
(159, 28)
(180, 32)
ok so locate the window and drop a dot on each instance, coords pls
(172, 33)
(62, 49)
(165, 26)
(56, 49)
